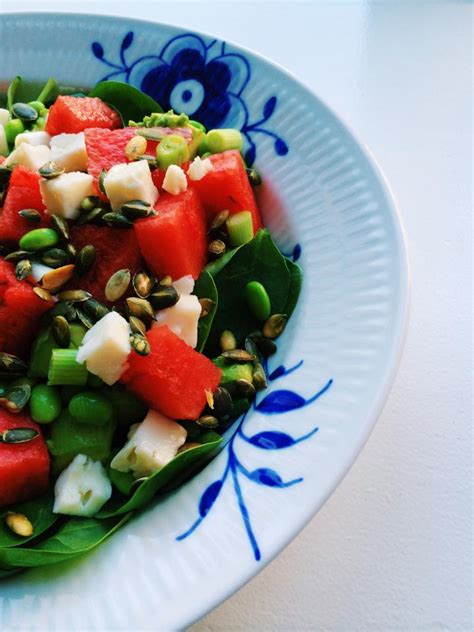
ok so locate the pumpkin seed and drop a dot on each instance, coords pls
(117, 285)
(31, 215)
(209, 398)
(218, 221)
(240, 356)
(60, 225)
(216, 247)
(61, 331)
(42, 293)
(24, 112)
(254, 177)
(135, 209)
(259, 378)
(18, 255)
(166, 281)
(50, 170)
(140, 308)
(19, 524)
(85, 319)
(274, 326)
(151, 133)
(163, 298)
(241, 388)
(23, 269)
(222, 403)
(66, 309)
(228, 341)
(54, 257)
(116, 220)
(207, 421)
(71, 251)
(85, 259)
(151, 160)
(89, 203)
(11, 364)
(142, 284)
(206, 306)
(94, 309)
(16, 398)
(266, 346)
(5, 174)
(102, 177)
(137, 326)
(74, 296)
(18, 435)
(92, 216)
(135, 147)
(140, 344)
(55, 279)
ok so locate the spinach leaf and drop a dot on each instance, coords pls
(130, 103)
(40, 514)
(181, 467)
(259, 260)
(7, 572)
(205, 288)
(214, 267)
(75, 537)
(296, 282)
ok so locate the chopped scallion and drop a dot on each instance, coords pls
(65, 370)
(240, 228)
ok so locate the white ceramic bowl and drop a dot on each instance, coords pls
(328, 206)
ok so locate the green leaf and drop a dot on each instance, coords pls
(75, 537)
(214, 267)
(296, 282)
(130, 103)
(7, 572)
(180, 468)
(40, 514)
(205, 288)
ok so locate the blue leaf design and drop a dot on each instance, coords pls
(269, 107)
(266, 476)
(271, 440)
(280, 402)
(250, 156)
(278, 372)
(209, 497)
(296, 252)
(127, 41)
(97, 50)
(281, 147)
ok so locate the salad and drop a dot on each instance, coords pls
(140, 297)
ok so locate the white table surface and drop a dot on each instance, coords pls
(392, 548)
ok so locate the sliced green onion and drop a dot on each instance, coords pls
(258, 300)
(219, 140)
(240, 228)
(64, 370)
(48, 91)
(12, 88)
(197, 125)
(172, 150)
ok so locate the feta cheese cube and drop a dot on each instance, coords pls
(30, 156)
(106, 347)
(151, 445)
(184, 285)
(182, 318)
(63, 195)
(82, 488)
(69, 151)
(3, 142)
(4, 116)
(130, 181)
(175, 181)
(33, 138)
(38, 270)
(198, 168)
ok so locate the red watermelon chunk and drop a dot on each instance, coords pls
(72, 115)
(173, 378)
(227, 187)
(23, 192)
(116, 249)
(174, 241)
(24, 467)
(20, 309)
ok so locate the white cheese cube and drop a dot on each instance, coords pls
(33, 138)
(130, 181)
(198, 168)
(175, 181)
(30, 156)
(184, 285)
(82, 488)
(3, 142)
(106, 347)
(152, 444)
(38, 270)
(63, 195)
(69, 151)
(4, 116)
(182, 318)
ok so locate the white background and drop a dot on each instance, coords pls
(392, 549)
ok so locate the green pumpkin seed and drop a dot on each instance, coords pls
(50, 170)
(116, 220)
(24, 112)
(18, 255)
(61, 331)
(89, 203)
(259, 378)
(208, 421)
(60, 225)
(137, 326)
(166, 281)
(140, 308)
(23, 269)
(218, 221)
(42, 293)
(16, 398)
(163, 298)
(66, 309)
(85, 259)
(74, 296)
(151, 133)
(54, 257)
(39, 239)
(5, 174)
(102, 176)
(222, 403)
(31, 215)
(240, 356)
(266, 346)
(228, 341)
(206, 306)
(135, 147)
(252, 348)
(94, 309)
(274, 326)
(11, 364)
(135, 209)
(216, 247)
(85, 319)
(93, 216)
(142, 284)
(254, 177)
(18, 435)
(241, 388)
(140, 344)
(117, 285)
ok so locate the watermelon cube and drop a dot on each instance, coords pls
(173, 378)
(24, 467)
(20, 310)
(72, 115)
(174, 241)
(227, 187)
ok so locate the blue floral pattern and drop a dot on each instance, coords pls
(202, 79)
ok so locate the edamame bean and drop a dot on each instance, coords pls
(258, 300)
(91, 407)
(12, 129)
(38, 239)
(45, 403)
